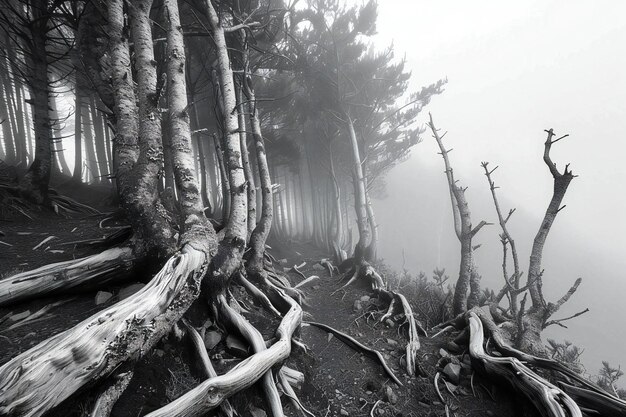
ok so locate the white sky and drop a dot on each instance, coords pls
(514, 69)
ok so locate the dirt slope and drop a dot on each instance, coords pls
(340, 381)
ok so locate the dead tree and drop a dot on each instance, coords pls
(511, 283)
(465, 232)
(537, 317)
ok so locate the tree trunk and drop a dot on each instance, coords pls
(93, 173)
(78, 140)
(57, 141)
(360, 200)
(233, 244)
(100, 142)
(534, 321)
(34, 185)
(7, 133)
(247, 169)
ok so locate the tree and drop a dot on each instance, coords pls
(469, 279)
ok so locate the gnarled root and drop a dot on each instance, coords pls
(212, 392)
(366, 271)
(207, 367)
(42, 377)
(587, 394)
(100, 269)
(109, 396)
(549, 400)
(255, 340)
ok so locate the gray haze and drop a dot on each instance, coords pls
(514, 69)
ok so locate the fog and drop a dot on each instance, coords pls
(515, 69)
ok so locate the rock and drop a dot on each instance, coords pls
(236, 346)
(20, 316)
(357, 305)
(211, 339)
(365, 298)
(453, 372)
(102, 297)
(318, 267)
(343, 412)
(444, 353)
(453, 347)
(129, 290)
(316, 287)
(390, 396)
(392, 342)
(257, 412)
(389, 323)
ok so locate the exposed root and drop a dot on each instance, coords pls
(366, 271)
(257, 294)
(90, 271)
(307, 281)
(209, 371)
(64, 204)
(45, 375)
(355, 344)
(286, 384)
(212, 392)
(590, 395)
(329, 266)
(255, 340)
(549, 400)
(109, 396)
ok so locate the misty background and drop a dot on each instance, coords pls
(515, 69)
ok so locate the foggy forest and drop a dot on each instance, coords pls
(274, 208)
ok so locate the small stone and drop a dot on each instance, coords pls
(357, 306)
(20, 316)
(392, 342)
(129, 290)
(490, 413)
(344, 412)
(390, 396)
(316, 287)
(444, 353)
(318, 267)
(236, 346)
(211, 339)
(102, 297)
(365, 298)
(286, 269)
(159, 353)
(368, 392)
(453, 372)
(282, 261)
(389, 323)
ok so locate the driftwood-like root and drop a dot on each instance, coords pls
(212, 392)
(207, 367)
(42, 377)
(107, 398)
(549, 400)
(256, 342)
(96, 270)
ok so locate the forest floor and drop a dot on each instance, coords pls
(339, 381)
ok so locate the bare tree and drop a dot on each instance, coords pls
(469, 279)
